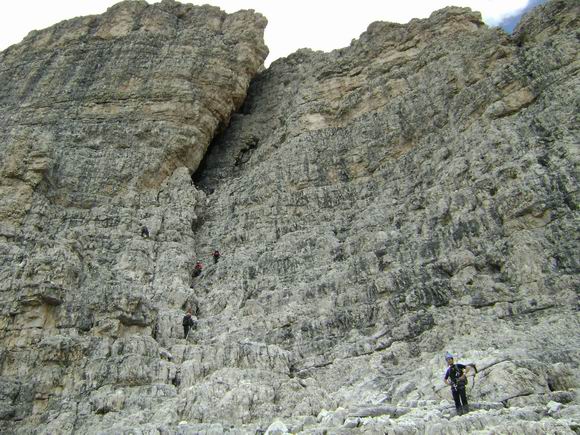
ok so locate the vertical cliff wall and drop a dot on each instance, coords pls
(102, 121)
(413, 193)
(376, 206)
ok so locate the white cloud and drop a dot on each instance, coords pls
(494, 11)
(317, 24)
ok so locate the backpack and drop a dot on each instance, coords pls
(457, 372)
(187, 321)
(463, 382)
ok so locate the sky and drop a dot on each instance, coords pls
(509, 23)
(292, 24)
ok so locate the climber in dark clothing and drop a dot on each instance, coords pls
(197, 269)
(216, 256)
(145, 232)
(456, 377)
(187, 323)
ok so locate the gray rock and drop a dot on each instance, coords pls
(277, 428)
(376, 206)
(352, 422)
(553, 407)
(391, 411)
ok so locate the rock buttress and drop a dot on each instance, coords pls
(377, 206)
(102, 120)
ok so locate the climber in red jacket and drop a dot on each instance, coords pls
(197, 269)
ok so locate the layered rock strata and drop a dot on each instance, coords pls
(376, 206)
(414, 192)
(103, 119)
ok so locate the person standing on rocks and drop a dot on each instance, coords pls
(187, 323)
(456, 377)
(216, 256)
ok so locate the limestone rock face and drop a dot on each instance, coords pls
(375, 207)
(98, 106)
(102, 121)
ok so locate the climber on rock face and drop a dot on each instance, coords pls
(216, 256)
(456, 377)
(197, 269)
(187, 323)
(145, 232)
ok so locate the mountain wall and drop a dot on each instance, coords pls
(376, 206)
